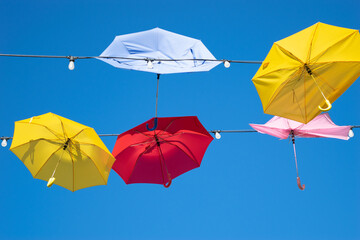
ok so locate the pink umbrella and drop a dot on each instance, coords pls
(321, 126)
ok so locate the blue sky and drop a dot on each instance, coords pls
(246, 186)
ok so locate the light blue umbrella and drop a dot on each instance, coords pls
(159, 51)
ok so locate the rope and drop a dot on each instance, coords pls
(129, 58)
(210, 131)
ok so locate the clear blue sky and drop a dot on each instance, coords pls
(246, 186)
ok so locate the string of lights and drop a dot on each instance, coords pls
(149, 61)
(216, 133)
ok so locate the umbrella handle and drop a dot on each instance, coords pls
(50, 182)
(328, 106)
(154, 127)
(301, 187)
(169, 183)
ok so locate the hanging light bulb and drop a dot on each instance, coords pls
(71, 64)
(227, 64)
(217, 135)
(351, 133)
(150, 64)
(4, 143)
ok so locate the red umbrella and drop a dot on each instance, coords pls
(176, 146)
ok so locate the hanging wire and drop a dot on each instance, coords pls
(210, 131)
(130, 58)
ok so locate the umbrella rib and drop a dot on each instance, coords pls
(137, 144)
(162, 160)
(311, 43)
(39, 139)
(73, 137)
(149, 136)
(297, 102)
(102, 177)
(92, 144)
(169, 135)
(44, 127)
(289, 53)
(62, 126)
(337, 62)
(325, 50)
(275, 70)
(176, 134)
(280, 88)
(165, 130)
(47, 161)
(192, 158)
(150, 146)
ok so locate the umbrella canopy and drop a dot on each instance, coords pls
(175, 147)
(320, 126)
(158, 44)
(62, 151)
(307, 71)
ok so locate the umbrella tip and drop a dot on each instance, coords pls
(50, 182)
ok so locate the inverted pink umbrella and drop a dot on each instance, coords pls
(320, 126)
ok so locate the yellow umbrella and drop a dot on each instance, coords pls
(61, 151)
(305, 72)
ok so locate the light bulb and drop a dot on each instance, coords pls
(351, 133)
(4, 143)
(217, 135)
(227, 64)
(150, 64)
(71, 65)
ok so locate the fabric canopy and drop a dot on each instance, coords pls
(320, 126)
(158, 44)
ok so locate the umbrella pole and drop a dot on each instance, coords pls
(301, 187)
(155, 119)
(163, 160)
(52, 179)
(329, 106)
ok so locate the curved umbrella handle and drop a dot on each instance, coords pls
(328, 106)
(154, 127)
(169, 183)
(301, 187)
